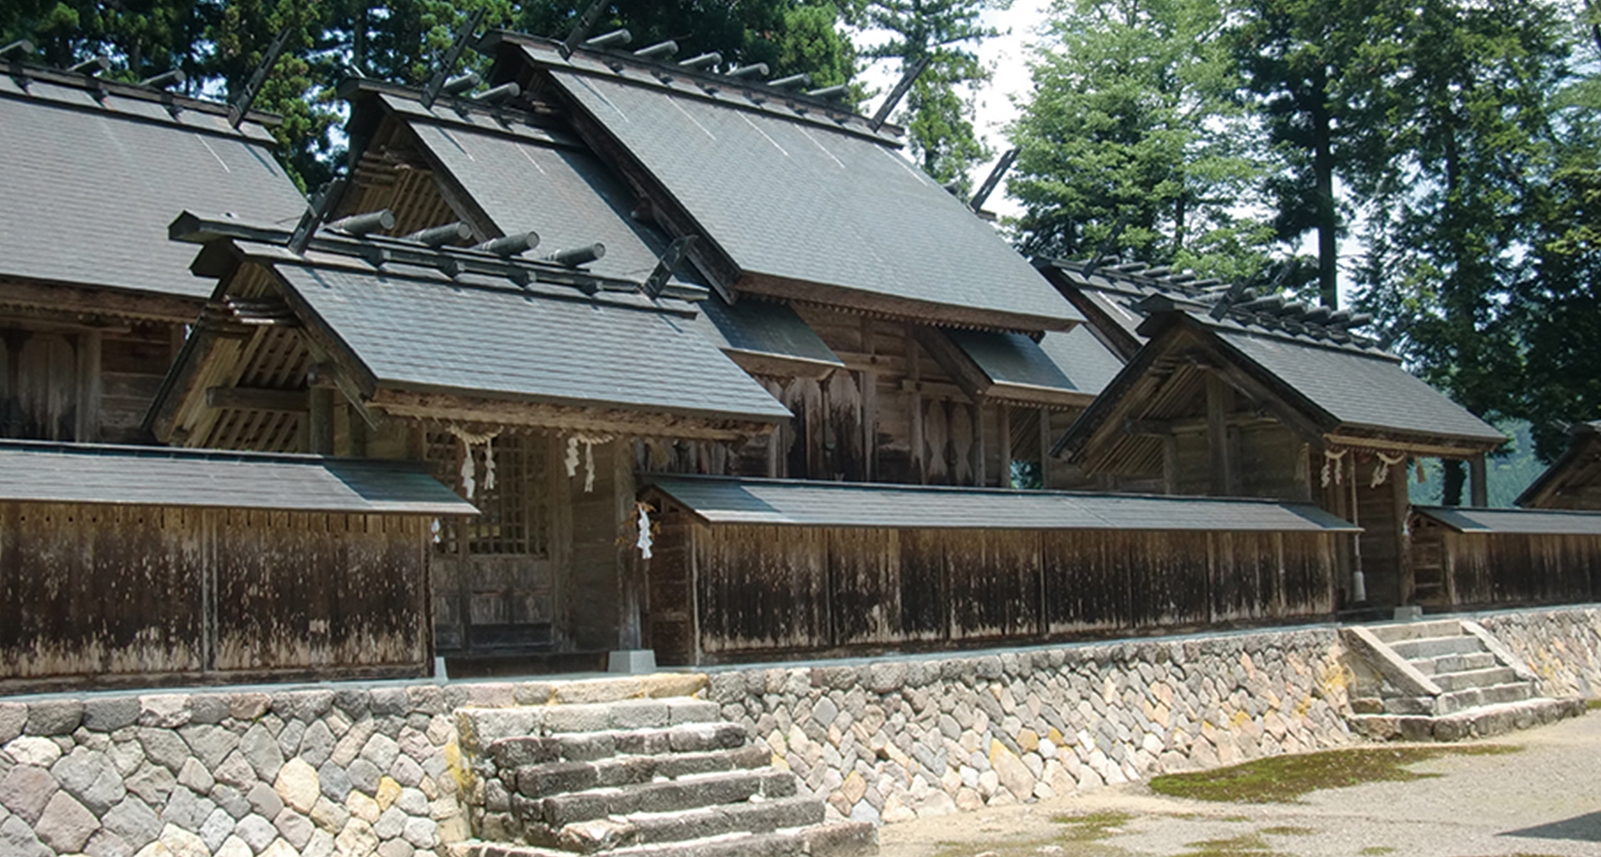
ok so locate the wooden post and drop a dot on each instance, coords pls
(1170, 464)
(980, 450)
(919, 468)
(1402, 505)
(320, 421)
(1004, 429)
(1479, 489)
(629, 565)
(87, 429)
(1217, 436)
(1045, 448)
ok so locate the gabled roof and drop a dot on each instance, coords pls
(796, 198)
(1571, 476)
(561, 337)
(40, 472)
(1465, 519)
(839, 504)
(1068, 361)
(1337, 382)
(94, 171)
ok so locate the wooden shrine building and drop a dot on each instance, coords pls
(135, 566)
(93, 298)
(911, 343)
(522, 383)
(1573, 481)
(1264, 397)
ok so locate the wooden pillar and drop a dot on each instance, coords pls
(1479, 488)
(1217, 436)
(919, 468)
(320, 420)
(1045, 448)
(87, 428)
(980, 447)
(630, 567)
(1402, 507)
(1004, 429)
(1170, 464)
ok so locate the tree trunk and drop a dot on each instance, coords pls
(1455, 478)
(1328, 248)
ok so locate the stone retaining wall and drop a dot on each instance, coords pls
(382, 770)
(1562, 645)
(893, 740)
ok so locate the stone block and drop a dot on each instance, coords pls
(295, 828)
(236, 771)
(673, 684)
(260, 748)
(356, 838)
(216, 829)
(335, 783)
(596, 691)
(90, 777)
(164, 711)
(210, 743)
(329, 816)
(303, 705)
(134, 821)
(17, 839)
(396, 848)
(26, 790)
(380, 751)
(194, 776)
(65, 824)
(249, 706)
(422, 833)
(363, 807)
(264, 800)
(576, 718)
(390, 825)
(13, 719)
(257, 832)
(108, 714)
(104, 843)
(406, 771)
(364, 775)
(34, 750)
(54, 717)
(152, 783)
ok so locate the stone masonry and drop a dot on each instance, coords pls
(364, 770)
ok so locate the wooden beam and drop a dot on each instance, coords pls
(77, 298)
(253, 399)
(970, 379)
(600, 420)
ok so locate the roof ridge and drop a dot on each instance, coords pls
(99, 88)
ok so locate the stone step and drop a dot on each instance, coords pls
(1434, 647)
(487, 725)
(553, 778)
(699, 737)
(1454, 663)
(611, 833)
(833, 839)
(1416, 630)
(1477, 697)
(685, 793)
(1477, 723)
(1475, 678)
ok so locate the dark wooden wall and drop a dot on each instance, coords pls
(81, 384)
(727, 592)
(1506, 569)
(138, 594)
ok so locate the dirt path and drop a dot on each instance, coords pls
(1543, 800)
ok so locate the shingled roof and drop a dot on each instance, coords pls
(1341, 381)
(104, 167)
(424, 322)
(794, 197)
(39, 472)
(1573, 481)
(836, 504)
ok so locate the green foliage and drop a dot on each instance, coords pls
(938, 112)
(1132, 118)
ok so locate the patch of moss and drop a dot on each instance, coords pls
(1287, 831)
(1246, 846)
(1091, 826)
(1285, 779)
(1592, 704)
(1376, 850)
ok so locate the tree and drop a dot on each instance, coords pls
(1131, 120)
(1457, 208)
(937, 114)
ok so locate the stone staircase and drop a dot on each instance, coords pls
(1443, 680)
(638, 777)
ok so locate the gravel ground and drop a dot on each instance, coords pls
(1544, 800)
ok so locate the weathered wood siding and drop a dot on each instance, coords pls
(85, 386)
(1508, 569)
(100, 594)
(731, 591)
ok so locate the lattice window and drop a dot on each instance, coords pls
(513, 514)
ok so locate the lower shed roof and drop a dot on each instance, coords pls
(42, 472)
(1514, 521)
(840, 504)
